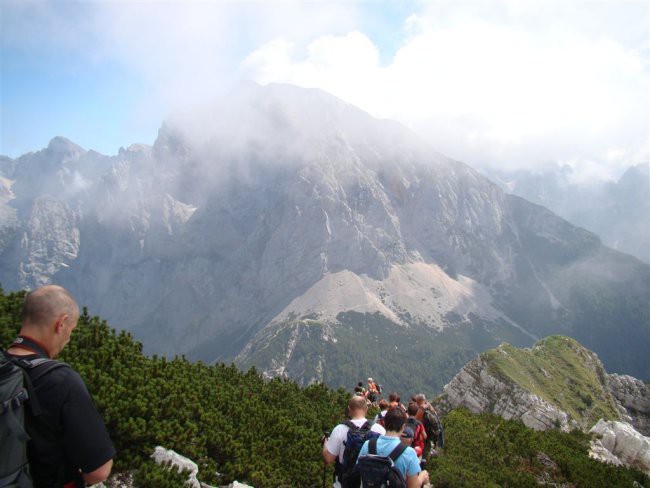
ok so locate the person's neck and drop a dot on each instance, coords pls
(358, 417)
(23, 350)
(391, 433)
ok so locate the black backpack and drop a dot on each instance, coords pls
(16, 389)
(355, 438)
(380, 471)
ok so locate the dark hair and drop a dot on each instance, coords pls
(383, 404)
(412, 408)
(360, 384)
(393, 397)
(394, 420)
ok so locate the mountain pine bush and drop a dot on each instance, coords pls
(238, 425)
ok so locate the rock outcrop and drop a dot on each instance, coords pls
(633, 399)
(173, 460)
(555, 384)
(475, 388)
(619, 443)
(181, 463)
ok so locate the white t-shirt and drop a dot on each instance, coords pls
(338, 436)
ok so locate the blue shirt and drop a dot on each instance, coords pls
(407, 464)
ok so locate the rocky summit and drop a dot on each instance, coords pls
(283, 228)
(560, 384)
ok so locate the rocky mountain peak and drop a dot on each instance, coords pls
(277, 216)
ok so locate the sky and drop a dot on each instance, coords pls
(509, 84)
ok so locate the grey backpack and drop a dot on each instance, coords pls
(15, 390)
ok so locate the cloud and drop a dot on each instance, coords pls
(518, 87)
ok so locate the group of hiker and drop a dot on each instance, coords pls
(45, 402)
(390, 450)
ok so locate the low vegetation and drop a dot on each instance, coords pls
(561, 371)
(237, 425)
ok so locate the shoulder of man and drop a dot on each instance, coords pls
(55, 372)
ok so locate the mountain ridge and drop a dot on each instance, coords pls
(238, 211)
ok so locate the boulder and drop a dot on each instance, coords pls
(623, 443)
(162, 455)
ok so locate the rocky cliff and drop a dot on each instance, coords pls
(558, 384)
(287, 229)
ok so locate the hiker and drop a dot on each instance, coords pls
(394, 402)
(383, 408)
(429, 417)
(407, 463)
(373, 391)
(359, 390)
(419, 434)
(346, 439)
(69, 446)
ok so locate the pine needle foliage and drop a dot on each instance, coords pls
(486, 450)
(239, 426)
(264, 432)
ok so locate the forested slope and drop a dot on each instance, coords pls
(268, 433)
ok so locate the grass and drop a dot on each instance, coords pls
(561, 371)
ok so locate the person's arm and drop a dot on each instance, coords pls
(332, 445)
(328, 456)
(417, 480)
(99, 475)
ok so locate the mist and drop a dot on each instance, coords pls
(497, 85)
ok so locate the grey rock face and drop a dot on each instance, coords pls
(633, 398)
(239, 208)
(49, 242)
(619, 441)
(616, 211)
(479, 391)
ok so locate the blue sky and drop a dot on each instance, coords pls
(515, 84)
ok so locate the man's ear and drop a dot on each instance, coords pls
(60, 323)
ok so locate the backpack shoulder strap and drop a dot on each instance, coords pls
(350, 425)
(372, 446)
(44, 365)
(398, 451)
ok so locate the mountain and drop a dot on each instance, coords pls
(618, 212)
(558, 383)
(283, 228)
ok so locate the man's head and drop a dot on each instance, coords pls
(49, 316)
(420, 399)
(393, 397)
(407, 436)
(383, 404)
(357, 407)
(412, 409)
(394, 420)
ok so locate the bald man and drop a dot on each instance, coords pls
(69, 445)
(334, 447)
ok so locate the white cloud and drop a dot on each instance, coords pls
(503, 89)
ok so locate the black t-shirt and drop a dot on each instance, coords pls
(69, 435)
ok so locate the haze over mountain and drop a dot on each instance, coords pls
(284, 228)
(618, 212)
